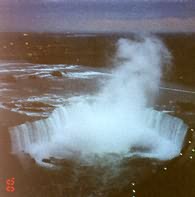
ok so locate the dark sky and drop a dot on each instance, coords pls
(97, 15)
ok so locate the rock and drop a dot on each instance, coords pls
(57, 74)
(46, 160)
(37, 104)
(32, 77)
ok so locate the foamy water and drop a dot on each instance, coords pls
(119, 118)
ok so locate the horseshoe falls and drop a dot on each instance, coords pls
(119, 118)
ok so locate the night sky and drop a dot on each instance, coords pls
(97, 15)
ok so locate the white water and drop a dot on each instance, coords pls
(117, 120)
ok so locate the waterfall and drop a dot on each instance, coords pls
(118, 119)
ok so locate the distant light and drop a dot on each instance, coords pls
(11, 43)
(30, 54)
(134, 191)
(5, 47)
(165, 168)
(193, 150)
(133, 183)
(170, 102)
(192, 129)
(189, 142)
(26, 43)
(181, 154)
(191, 157)
(25, 34)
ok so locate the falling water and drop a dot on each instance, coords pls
(118, 119)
